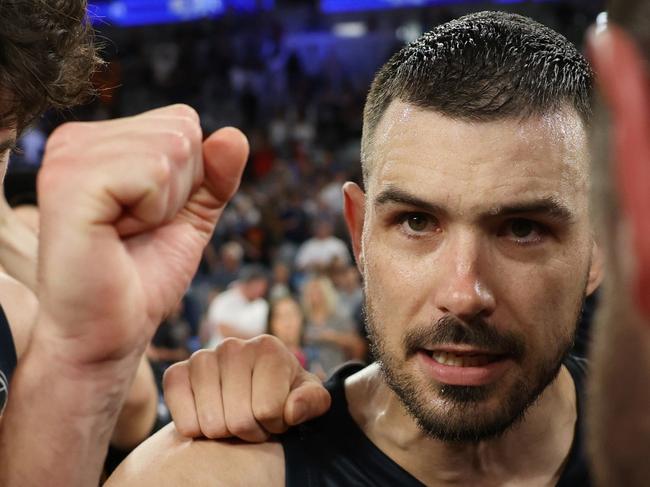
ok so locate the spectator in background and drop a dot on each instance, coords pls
(286, 321)
(240, 311)
(331, 337)
(169, 343)
(281, 284)
(226, 269)
(347, 282)
(323, 250)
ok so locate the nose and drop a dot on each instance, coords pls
(463, 291)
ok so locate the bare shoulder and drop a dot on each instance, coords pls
(20, 307)
(168, 459)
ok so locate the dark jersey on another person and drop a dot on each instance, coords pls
(8, 358)
(332, 451)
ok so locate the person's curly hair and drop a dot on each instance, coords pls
(47, 56)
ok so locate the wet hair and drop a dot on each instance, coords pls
(46, 58)
(482, 67)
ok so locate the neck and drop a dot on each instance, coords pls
(547, 431)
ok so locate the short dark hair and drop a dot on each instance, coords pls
(46, 58)
(482, 67)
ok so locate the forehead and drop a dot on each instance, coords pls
(477, 164)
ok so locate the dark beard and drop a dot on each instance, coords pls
(460, 421)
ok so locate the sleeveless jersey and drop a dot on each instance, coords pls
(8, 358)
(332, 451)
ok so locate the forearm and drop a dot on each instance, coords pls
(138, 413)
(59, 418)
(619, 426)
(18, 247)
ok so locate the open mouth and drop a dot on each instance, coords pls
(465, 366)
(469, 359)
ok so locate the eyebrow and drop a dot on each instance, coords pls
(398, 196)
(548, 206)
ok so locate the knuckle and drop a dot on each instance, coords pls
(202, 359)
(267, 344)
(182, 110)
(186, 429)
(212, 426)
(191, 129)
(242, 425)
(268, 412)
(161, 170)
(64, 133)
(230, 346)
(180, 146)
(175, 374)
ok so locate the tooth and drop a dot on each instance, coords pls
(440, 357)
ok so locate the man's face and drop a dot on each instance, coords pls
(476, 251)
(256, 288)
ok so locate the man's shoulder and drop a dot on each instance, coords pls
(167, 459)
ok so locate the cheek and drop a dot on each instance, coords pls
(543, 301)
(397, 286)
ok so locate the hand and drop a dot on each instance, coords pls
(243, 388)
(127, 207)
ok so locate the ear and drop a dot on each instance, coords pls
(354, 201)
(624, 84)
(596, 269)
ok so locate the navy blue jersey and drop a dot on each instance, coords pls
(332, 451)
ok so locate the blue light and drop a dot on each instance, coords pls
(127, 13)
(335, 6)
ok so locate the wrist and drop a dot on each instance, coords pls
(94, 387)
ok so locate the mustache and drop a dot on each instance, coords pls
(478, 333)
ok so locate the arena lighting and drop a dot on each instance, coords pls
(350, 29)
(129, 13)
(336, 6)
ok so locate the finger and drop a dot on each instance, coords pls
(224, 153)
(179, 398)
(235, 364)
(176, 110)
(273, 374)
(206, 385)
(307, 400)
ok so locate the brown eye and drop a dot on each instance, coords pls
(524, 231)
(522, 228)
(417, 223)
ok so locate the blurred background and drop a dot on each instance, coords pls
(293, 75)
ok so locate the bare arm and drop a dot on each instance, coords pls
(138, 414)
(18, 246)
(169, 460)
(149, 229)
(621, 398)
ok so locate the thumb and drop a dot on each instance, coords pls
(224, 153)
(308, 400)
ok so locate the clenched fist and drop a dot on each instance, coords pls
(127, 207)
